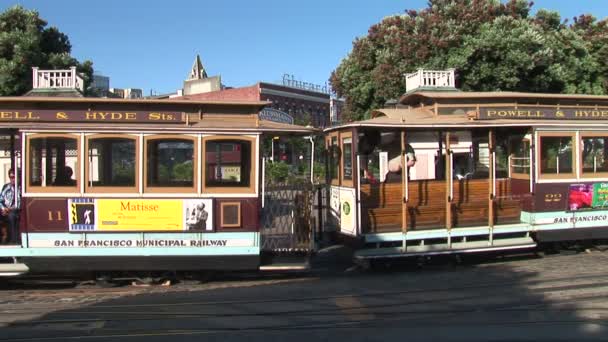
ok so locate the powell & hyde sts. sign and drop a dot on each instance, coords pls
(536, 113)
(89, 116)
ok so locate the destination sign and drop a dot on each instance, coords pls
(35, 115)
(536, 113)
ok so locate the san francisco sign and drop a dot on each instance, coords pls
(536, 113)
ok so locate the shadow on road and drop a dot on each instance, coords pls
(522, 299)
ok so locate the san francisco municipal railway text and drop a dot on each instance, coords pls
(138, 243)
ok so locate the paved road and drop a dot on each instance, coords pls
(518, 298)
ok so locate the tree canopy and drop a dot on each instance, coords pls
(493, 45)
(26, 42)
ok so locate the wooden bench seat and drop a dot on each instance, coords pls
(382, 205)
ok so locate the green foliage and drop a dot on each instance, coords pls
(122, 174)
(26, 42)
(276, 172)
(319, 172)
(183, 171)
(493, 46)
(163, 174)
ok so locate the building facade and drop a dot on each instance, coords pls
(127, 93)
(305, 106)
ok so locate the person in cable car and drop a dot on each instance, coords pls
(367, 143)
(9, 208)
(388, 142)
(65, 178)
(395, 167)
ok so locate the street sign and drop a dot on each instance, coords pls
(275, 115)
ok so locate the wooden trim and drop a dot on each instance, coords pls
(570, 175)
(448, 182)
(52, 189)
(335, 181)
(327, 142)
(590, 134)
(111, 189)
(517, 175)
(239, 221)
(347, 182)
(251, 189)
(491, 178)
(195, 175)
(515, 105)
(199, 163)
(404, 182)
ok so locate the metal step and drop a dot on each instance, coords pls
(13, 269)
(439, 249)
(284, 262)
(285, 267)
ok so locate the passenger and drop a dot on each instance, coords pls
(394, 164)
(367, 143)
(10, 202)
(65, 178)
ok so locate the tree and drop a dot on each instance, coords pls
(26, 42)
(520, 55)
(595, 34)
(493, 46)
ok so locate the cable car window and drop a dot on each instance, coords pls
(347, 161)
(53, 162)
(594, 151)
(227, 163)
(112, 162)
(520, 156)
(556, 155)
(170, 163)
(334, 155)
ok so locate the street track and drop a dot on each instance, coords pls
(576, 298)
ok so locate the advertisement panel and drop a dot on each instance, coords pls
(231, 173)
(588, 196)
(348, 212)
(334, 202)
(198, 214)
(140, 214)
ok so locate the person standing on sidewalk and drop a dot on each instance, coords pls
(10, 202)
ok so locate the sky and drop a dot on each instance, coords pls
(151, 45)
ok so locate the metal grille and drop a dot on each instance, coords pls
(287, 218)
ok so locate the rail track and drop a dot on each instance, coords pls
(533, 292)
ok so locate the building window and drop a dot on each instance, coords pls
(170, 162)
(112, 162)
(53, 163)
(556, 155)
(227, 163)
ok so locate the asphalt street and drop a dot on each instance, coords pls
(522, 297)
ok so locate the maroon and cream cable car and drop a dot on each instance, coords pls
(114, 185)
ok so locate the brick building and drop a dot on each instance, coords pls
(301, 104)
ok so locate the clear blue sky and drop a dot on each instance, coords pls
(152, 44)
